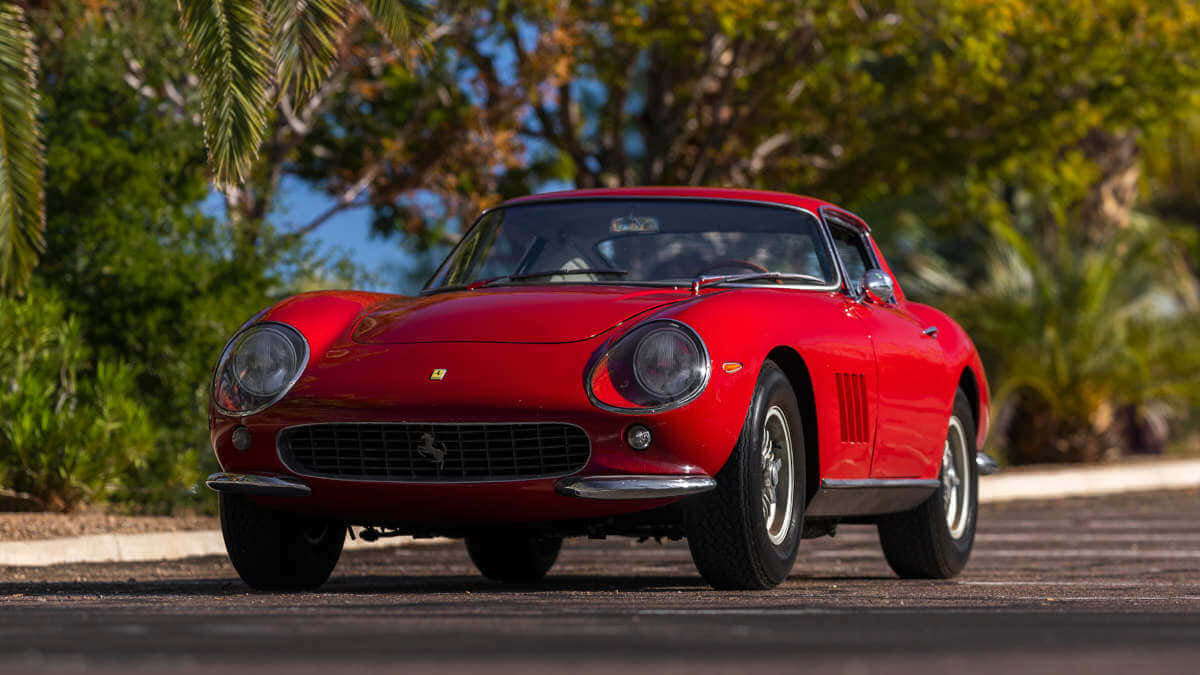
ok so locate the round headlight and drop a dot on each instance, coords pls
(264, 361)
(658, 365)
(667, 363)
(258, 367)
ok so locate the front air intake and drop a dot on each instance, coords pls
(435, 453)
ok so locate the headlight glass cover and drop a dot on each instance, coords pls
(657, 366)
(259, 365)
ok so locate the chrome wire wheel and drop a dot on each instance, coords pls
(956, 484)
(777, 475)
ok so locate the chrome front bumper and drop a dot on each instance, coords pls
(587, 487)
(263, 486)
(633, 487)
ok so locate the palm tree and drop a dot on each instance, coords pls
(247, 53)
(1076, 334)
(22, 213)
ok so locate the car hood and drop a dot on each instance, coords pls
(542, 314)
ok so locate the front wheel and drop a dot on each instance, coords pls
(745, 533)
(934, 540)
(272, 550)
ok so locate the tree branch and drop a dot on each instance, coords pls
(344, 201)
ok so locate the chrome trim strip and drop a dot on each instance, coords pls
(671, 405)
(634, 486)
(829, 247)
(299, 472)
(251, 484)
(857, 483)
(986, 464)
(863, 233)
(843, 498)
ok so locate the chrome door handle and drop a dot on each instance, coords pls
(932, 332)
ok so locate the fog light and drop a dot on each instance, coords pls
(638, 437)
(241, 438)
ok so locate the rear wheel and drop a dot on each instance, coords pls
(272, 550)
(934, 540)
(745, 534)
(513, 557)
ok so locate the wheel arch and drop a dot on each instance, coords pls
(797, 373)
(970, 386)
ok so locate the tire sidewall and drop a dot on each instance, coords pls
(773, 389)
(956, 551)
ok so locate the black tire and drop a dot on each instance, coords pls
(726, 528)
(278, 551)
(513, 557)
(919, 543)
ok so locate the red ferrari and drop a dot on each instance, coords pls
(733, 367)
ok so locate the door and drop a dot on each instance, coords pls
(911, 426)
(909, 421)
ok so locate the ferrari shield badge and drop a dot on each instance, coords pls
(438, 374)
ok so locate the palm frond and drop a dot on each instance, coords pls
(22, 209)
(399, 19)
(228, 41)
(304, 35)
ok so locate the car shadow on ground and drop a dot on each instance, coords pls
(389, 584)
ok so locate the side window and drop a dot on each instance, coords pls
(852, 251)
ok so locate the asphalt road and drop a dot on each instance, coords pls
(1084, 585)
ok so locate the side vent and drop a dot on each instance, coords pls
(852, 399)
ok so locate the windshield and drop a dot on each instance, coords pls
(636, 240)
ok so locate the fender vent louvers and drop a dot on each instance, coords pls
(852, 402)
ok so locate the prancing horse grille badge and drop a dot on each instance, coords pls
(438, 374)
(435, 451)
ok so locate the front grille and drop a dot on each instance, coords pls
(435, 452)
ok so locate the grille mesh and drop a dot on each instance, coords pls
(435, 452)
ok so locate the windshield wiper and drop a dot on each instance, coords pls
(701, 281)
(548, 273)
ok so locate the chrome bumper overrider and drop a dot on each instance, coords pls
(986, 465)
(633, 487)
(250, 484)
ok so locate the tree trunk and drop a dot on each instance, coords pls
(1109, 203)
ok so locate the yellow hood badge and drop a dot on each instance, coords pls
(438, 374)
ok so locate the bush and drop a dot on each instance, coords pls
(71, 430)
(1087, 345)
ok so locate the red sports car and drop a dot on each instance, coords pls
(730, 366)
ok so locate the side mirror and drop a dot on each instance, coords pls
(878, 287)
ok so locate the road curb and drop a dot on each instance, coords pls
(1090, 481)
(149, 547)
(1054, 483)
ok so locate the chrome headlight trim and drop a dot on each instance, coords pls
(638, 332)
(293, 334)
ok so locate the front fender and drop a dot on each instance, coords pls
(961, 356)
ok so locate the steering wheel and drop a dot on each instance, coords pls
(732, 262)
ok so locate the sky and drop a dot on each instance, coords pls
(346, 234)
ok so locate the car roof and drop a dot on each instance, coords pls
(764, 196)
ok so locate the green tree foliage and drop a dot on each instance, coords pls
(247, 53)
(22, 215)
(148, 277)
(410, 142)
(1076, 335)
(71, 428)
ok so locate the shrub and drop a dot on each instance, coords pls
(71, 429)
